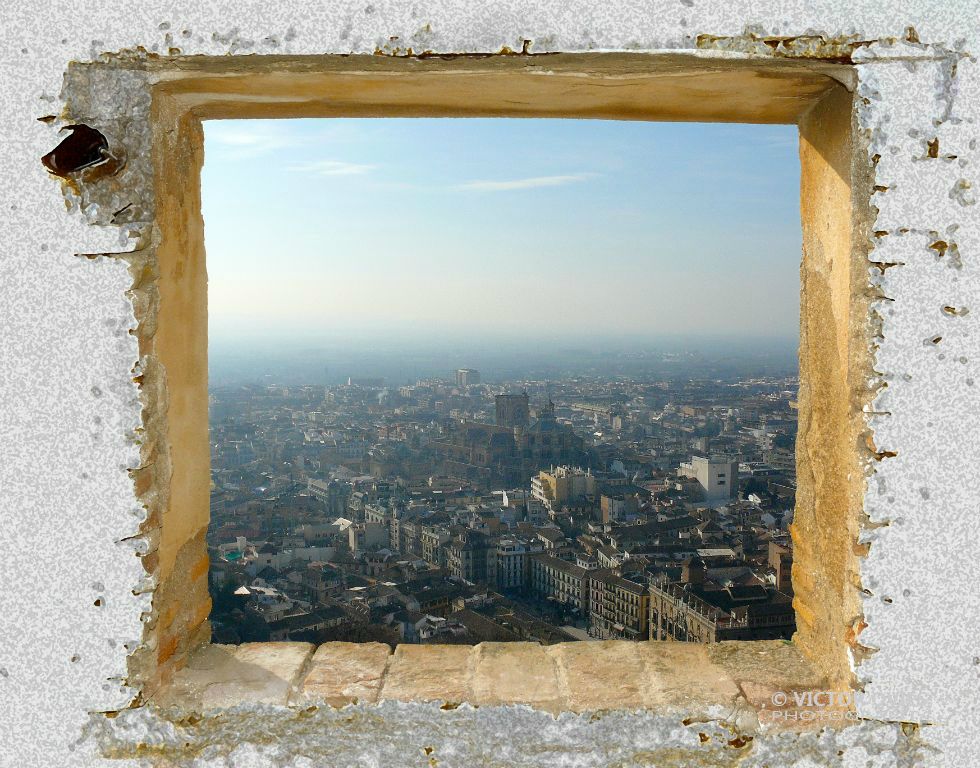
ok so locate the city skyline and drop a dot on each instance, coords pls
(456, 510)
(484, 229)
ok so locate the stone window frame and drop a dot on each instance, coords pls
(162, 166)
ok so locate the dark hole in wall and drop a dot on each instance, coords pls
(82, 148)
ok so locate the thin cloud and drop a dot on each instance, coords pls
(237, 142)
(244, 139)
(332, 168)
(528, 183)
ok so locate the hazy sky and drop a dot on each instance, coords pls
(554, 228)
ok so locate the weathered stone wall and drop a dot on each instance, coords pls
(78, 466)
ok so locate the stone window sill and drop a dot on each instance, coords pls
(733, 681)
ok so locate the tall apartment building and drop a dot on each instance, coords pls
(512, 563)
(431, 538)
(471, 556)
(561, 580)
(717, 476)
(618, 607)
(562, 485)
(466, 377)
(409, 532)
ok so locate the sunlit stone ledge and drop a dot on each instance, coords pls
(752, 685)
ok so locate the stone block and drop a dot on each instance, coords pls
(344, 673)
(430, 673)
(602, 675)
(516, 673)
(682, 678)
(223, 676)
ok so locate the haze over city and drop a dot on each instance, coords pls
(451, 242)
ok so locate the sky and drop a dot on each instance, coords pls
(549, 229)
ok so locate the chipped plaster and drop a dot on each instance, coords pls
(71, 419)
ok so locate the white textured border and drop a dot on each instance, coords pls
(69, 406)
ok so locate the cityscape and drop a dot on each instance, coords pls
(454, 510)
(498, 383)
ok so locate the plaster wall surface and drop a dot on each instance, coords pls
(70, 410)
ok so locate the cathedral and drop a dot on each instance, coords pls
(506, 454)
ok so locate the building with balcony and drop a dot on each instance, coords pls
(699, 613)
(559, 580)
(618, 606)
